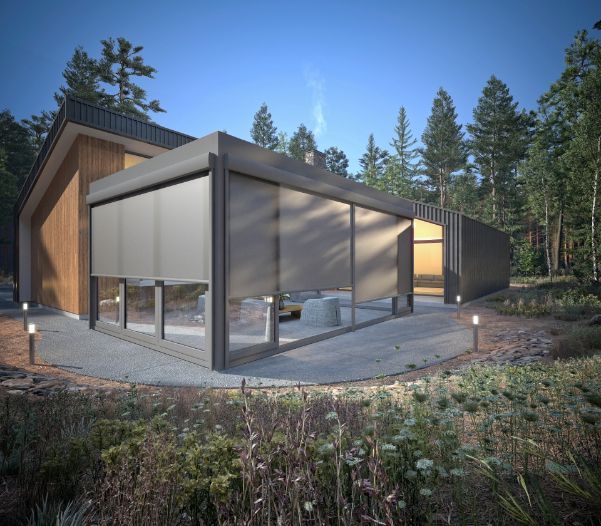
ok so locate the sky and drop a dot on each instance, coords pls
(343, 67)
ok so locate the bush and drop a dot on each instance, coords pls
(577, 342)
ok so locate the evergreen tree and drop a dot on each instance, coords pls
(8, 196)
(82, 79)
(401, 169)
(119, 63)
(263, 132)
(38, 126)
(302, 141)
(16, 143)
(444, 151)
(337, 161)
(283, 142)
(373, 164)
(463, 193)
(499, 138)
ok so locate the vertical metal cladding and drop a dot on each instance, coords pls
(485, 256)
(476, 256)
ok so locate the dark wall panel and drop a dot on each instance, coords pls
(485, 256)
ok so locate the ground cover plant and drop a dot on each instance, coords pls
(565, 299)
(488, 444)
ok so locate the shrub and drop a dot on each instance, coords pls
(579, 341)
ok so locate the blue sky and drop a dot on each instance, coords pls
(341, 67)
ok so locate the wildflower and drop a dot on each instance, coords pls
(424, 464)
(457, 472)
(388, 448)
(401, 504)
(308, 506)
(332, 415)
(425, 492)
(409, 422)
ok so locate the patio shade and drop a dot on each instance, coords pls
(162, 234)
(378, 243)
(314, 242)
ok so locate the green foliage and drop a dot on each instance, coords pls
(82, 79)
(263, 132)
(119, 64)
(301, 142)
(373, 164)
(400, 455)
(444, 151)
(498, 141)
(337, 161)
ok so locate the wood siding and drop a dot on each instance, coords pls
(59, 226)
(55, 239)
(97, 159)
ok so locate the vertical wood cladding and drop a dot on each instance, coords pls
(55, 239)
(97, 159)
(59, 226)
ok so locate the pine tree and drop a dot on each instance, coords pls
(38, 126)
(401, 170)
(499, 138)
(373, 163)
(263, 132)
(337, 161)
(8, 195)
(283, 142)
(463, 192)
(119, 63)
(302, 141)
(444, 151)
(82, 78)
(16, 143)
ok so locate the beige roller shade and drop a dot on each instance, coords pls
(162, 233)
(376, 254)
(253, 233)
(314, 242)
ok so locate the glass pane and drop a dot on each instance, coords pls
(184, 313)
(372, 310)
(310, 313)
(139, 305)
(108, 300)
(251, 322)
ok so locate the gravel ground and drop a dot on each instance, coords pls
(429, 336)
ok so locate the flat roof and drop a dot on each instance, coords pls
(88, 115)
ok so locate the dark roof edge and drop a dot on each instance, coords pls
(460, 214)
(91, 115)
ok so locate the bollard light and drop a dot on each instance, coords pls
(458, 306)
(31, 331)
(25, 311)
(476, 321)
(117, 299)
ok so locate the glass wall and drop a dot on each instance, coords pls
(251, 322)
(184, 313)
(140, 305)
(428, 276)
(310, 313)
(108, 300)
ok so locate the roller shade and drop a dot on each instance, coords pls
(253, 208)
(163, 234)
(405, 251)
(314, 242)
(376, 254)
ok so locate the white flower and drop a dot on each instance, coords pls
(424, 464)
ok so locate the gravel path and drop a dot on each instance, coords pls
(431, 335)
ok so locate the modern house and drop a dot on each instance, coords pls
(222, 252)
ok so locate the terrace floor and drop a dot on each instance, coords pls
(428, 336)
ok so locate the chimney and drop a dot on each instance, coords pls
(316, 158)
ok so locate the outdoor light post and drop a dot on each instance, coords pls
(31, 330)
(476, 321)
(25, 307)
(458, 307)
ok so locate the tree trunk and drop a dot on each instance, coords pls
(547, 247)
(557, 243)
(594, 213)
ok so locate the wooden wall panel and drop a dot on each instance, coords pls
(55, 239)
(97, 159)
(59, 226)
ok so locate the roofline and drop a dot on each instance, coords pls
(91, 115)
